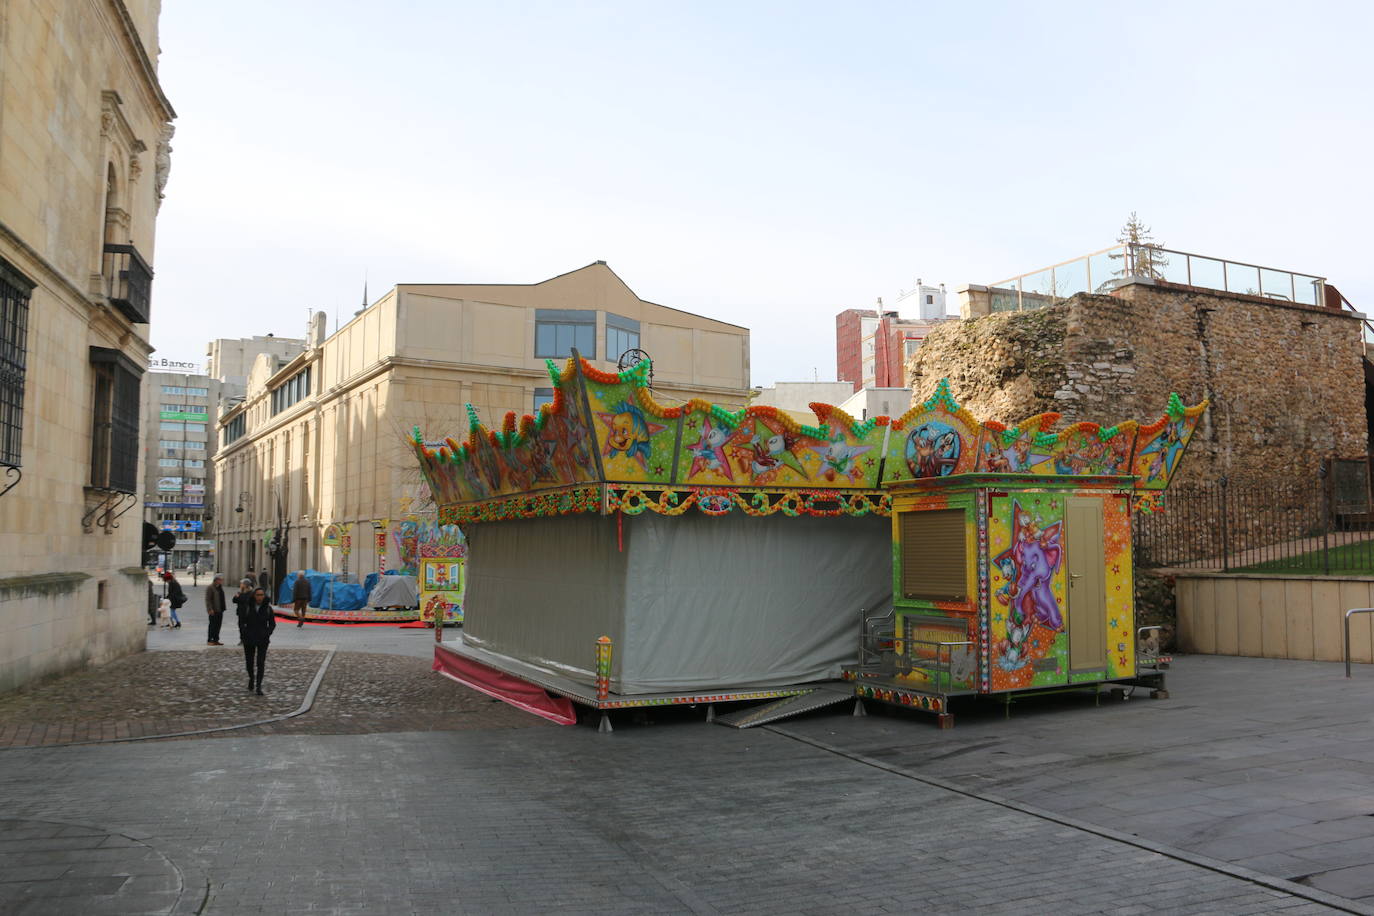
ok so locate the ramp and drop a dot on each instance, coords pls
(786, 708)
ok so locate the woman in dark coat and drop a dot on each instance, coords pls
(255, 628)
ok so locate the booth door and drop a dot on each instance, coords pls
(1087, 617)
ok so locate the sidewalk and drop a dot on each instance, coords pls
(1264, 763)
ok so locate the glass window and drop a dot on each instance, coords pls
(172, 427)
(233, 429)
(169, 462)
(542, 396)
(193, 445)
(14, 322)
(114, 422)
(173, 444)
(291, 391)
(173, 389)
(558, 331)
(621, 334)
(198, 392)
(195, 427)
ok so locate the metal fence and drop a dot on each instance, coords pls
(1319, 525)
(1104, 270)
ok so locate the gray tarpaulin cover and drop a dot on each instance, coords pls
(692, 603)
(394, 591)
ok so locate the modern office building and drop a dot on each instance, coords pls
(178, 415)
(84, 157)
(322, 439)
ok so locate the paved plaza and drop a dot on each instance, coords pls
(1251, 790)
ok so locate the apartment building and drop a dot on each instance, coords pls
(322, 439)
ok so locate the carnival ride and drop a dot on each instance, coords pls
(635, 554)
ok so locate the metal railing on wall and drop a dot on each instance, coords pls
(1103, 271)
(1320, 525)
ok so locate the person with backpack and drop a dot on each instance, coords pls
(175, 595)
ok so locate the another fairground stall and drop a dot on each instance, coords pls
(627, 553)
(1013, 574)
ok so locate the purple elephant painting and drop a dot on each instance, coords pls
(1029, 566)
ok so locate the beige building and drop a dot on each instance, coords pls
(84, 155)
(322, 439)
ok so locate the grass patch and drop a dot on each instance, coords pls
(1356, 559)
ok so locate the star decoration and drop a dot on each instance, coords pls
(708, 454)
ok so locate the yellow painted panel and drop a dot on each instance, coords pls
(1297, 595)
(1326, 620)
(1248, 606)
(1087, 588)
(1273, 625)
(1228, 626)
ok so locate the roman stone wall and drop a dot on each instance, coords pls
(1286, 382)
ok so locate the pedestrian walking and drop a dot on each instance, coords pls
(243, 602)
(214, 609)
(152, 606)
(300, 598)
(176, 596)
(265, 582)
(256, 628)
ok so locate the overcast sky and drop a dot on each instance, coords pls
(768, 164)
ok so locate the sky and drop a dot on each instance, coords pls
(766, 164)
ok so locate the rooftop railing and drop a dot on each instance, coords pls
(1105, 270)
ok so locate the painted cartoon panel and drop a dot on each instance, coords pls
(1022, 449)
(923, 661)
(442, 583)
(635, 445)
(1087, 448)
(1160, 445)
(1120, 584)
(1027, 612)
(936, 438)
(847, 453)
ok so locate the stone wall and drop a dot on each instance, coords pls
(1286, 382)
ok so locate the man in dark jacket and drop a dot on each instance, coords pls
(300, 597)
(265, 583)
(176, 596)
(256, 627)
(214, 607)
(243, 601)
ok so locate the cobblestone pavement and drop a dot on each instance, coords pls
(169, 692)
(681, 818)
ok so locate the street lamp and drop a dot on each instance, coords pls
(246, 497)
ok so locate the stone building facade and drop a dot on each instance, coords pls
(84, 157)
(322, 439)
(1286, 381)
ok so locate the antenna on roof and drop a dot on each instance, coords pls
(364, 289)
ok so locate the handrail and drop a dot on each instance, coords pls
(866, 632)
(1354, 610)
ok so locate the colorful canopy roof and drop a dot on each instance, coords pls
(607, 428)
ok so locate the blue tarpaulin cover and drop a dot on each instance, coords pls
(344, 596)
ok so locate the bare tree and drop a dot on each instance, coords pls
(1142, 255)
